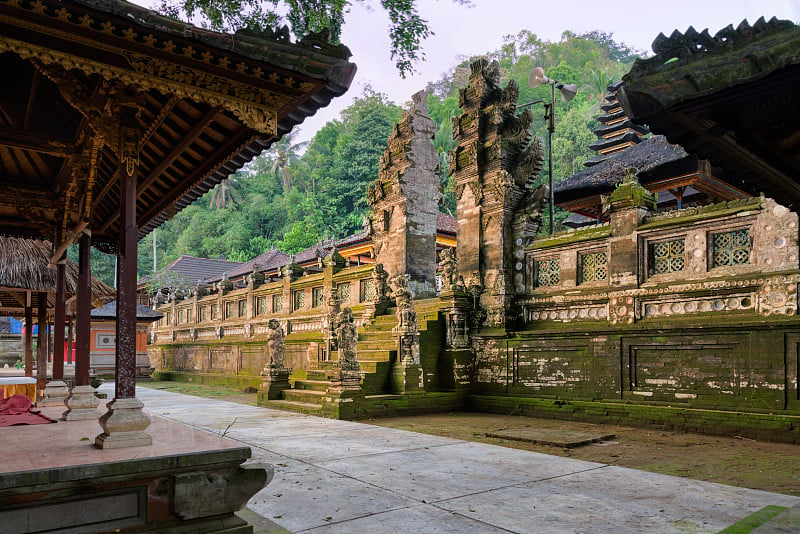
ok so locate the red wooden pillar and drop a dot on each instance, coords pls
(41, 343)
(125, 383)
(58, 321)
(83, 319)
(69, 341)
(28, 341)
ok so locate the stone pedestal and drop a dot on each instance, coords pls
(341, 399)
(81, 404)
(124, 425)
(55, 394)
(407, 378)
(276, 380)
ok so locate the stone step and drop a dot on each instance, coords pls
(303, 395)
(387, 344)
(375, 335)
(312, 385)
(373, 355)
(295, 406)
(317, 374)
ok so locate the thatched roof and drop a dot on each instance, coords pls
(24, 267)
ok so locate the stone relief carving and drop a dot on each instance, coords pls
(347, 340)
(276, 343)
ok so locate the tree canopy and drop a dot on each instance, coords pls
(407, 29)
(296, 194)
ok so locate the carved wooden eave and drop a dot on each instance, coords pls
(206, 104)
(730, 98)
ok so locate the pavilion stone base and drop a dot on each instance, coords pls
(342, 398)
(276, 380)
(407, 378)
(188, 492)
(55, 394)
(81, 404)
(124, 424)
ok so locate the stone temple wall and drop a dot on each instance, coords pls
(699, 308)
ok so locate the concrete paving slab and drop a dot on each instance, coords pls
(336, 476)
(615, 499)
(557, 437)
(447, 471)
(302, 496)
(419, 519)
(365, 442)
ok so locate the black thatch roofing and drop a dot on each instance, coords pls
(627, 137)
(143, 313)
(654, 158)
(622, 125)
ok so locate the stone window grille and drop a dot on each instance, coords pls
(299, 298)
(242, 308)
(548, 272)
(667, 256)
(317, 297)
(180, 317)
(730, 248)
(593, 267)
(167, 319)
(189, 315)
(201, 314)
(229, 310)
(214, 311)
(277, 303)
(261, 305)
(344, 292)
(368, 293)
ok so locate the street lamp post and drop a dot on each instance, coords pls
(568, 92)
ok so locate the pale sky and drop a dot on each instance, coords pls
(462, 31)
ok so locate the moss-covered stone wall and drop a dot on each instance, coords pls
(698, 364)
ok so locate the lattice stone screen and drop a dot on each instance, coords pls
(593, 267)
(667, 256)
(368, 292)
(731, 248)
(299, 298)
(344, 292)
(548, 272)
(261, 305)
(317, 297)
(277, 303)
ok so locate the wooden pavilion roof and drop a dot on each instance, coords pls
(732, 99)
(207, 103)
(24, 274)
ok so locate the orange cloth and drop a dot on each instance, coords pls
(29, 390)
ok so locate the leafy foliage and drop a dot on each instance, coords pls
(407, 29)
(296, 194)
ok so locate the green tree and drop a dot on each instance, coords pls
(225, 194)
(407, 29)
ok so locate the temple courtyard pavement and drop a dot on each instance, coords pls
(340, 476)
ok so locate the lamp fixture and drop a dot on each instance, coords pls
(568, 92)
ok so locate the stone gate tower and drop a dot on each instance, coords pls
(494, 165)
(405, 201)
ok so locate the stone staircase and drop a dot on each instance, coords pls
(376, 352)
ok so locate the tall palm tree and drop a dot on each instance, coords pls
(225, 194)
(285, 153)
(597, 87)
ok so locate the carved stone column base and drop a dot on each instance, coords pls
(407, 378)
(55, 393)
(124, 424)
(81, 404)
(276, 380)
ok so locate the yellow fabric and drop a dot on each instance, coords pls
(29, 390)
